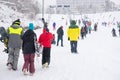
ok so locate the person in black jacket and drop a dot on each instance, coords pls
(82, 32)
(28, 48)
(60, 34)
(114, 32)
(119, 31)
(95, 27)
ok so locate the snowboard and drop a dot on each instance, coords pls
(3, 33)
(4, 38)
(38, 48)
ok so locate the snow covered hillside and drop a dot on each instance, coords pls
(99, 52)
(98, 58)
(8, 15)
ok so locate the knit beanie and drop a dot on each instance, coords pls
(31, 26)
(16, 22)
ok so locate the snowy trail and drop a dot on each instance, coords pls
(98, 59)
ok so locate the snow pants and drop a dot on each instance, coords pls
(60, 37)
(73, 46)
(13, 57)
(29, 62)
(46, 55)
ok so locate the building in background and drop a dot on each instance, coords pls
(83, 6)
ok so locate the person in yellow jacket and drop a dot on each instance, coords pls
(73, 33)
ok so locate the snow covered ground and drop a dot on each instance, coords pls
(98, 58)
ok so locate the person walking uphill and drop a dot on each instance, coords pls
(15, 32)
(60, 34)
(28, 48)
(73, 33)
(45, 41)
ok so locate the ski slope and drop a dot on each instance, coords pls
(98, 59)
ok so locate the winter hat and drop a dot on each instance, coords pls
(16, 22)
(73, 22)
(31, 26)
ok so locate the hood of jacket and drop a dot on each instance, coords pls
(73, 24)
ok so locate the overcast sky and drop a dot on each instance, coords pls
(48, 2)
(52, 2)
(116, 1)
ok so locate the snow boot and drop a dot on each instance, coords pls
(25, 71)
(9, 65)
(31, 74)
(45, 65)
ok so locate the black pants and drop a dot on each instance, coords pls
(60, 37)
(73, 46)
(46, 55)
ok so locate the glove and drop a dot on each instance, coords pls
(38, 55)
(68, 38)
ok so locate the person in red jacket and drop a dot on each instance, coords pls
(45, 41)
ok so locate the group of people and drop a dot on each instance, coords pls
(73, 33)
(26, 39)
(87, 28)
(18, 38)
(114, 31)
